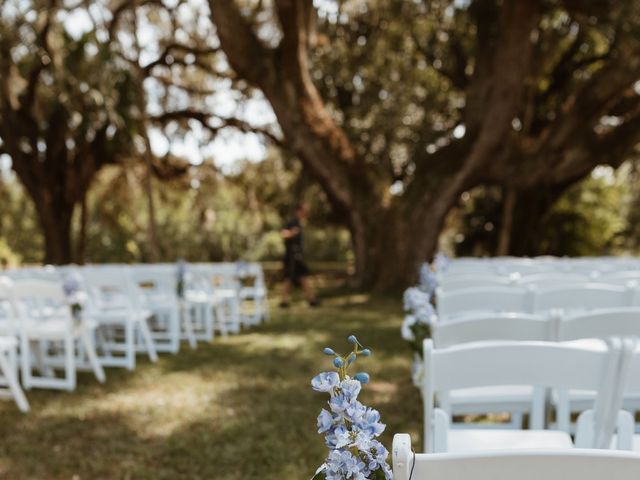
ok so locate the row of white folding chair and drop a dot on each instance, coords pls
(600, 324)
(588, 296)
(50, 337)
(540, 365)
(582, 464)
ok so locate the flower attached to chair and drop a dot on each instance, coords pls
(441, 262)
(420, 316)
(416, 327)
(428, 279)
(350, 428)
(76, 297)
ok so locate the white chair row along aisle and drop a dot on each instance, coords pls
(55, 321)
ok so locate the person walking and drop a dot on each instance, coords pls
(295, 270)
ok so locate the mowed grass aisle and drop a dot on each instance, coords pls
(239, 408)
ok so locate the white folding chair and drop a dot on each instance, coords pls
(157, 284)
(540, 365)
(599, 324)
(579, 464)
(219, 284)
(252, 293)
(50, 338)
(630, 385)
(116, 305)
(9, 382)
(480, 300)
(480, 400)
(205, 310)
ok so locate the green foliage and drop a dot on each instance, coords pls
(589, 218)
(593, 217)
(20, 237)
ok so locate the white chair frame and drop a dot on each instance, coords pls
(45, 320)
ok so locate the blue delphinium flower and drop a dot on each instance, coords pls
(428, 279)
(350, 428)
(325, 382)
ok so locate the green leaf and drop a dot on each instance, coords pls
(319, 476)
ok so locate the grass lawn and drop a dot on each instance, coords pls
(239, 408)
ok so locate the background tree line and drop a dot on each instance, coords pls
(400, 120)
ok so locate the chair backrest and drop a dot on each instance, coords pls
(552, 280)
(537, 364)
(607, 323)
(589, 296)
(8, 315)
(39, 300)
(473, 281)
(498, 326)
(482, 299)
(112, 287)
(578, 464)
(155, 282)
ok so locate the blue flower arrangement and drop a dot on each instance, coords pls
(350, 428)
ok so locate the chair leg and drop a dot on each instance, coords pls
(188, 327)
(25, 360)
(516, 420)
(9, 372)
(563, 412)
(220, 319)
(89, 348)
(130, 344)
(70, 363)
(146, 336)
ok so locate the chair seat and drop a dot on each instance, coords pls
(57, 328)
(252, 292)
(462, 441)
(7, 343)
(116, 315)
(201, 297)
(225, 293)
(475, 400)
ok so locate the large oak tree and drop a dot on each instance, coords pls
(540, 93)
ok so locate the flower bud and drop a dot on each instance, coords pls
(338, 362)
(352, 339)
(328, 351)
(362, 377)
(366, 352)
(351, 358)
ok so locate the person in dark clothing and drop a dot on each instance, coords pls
(295, 271)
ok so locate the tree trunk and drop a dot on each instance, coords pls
(530, 208)
(388, 252)
(81, 238)
(506, 223)
(55, 221)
